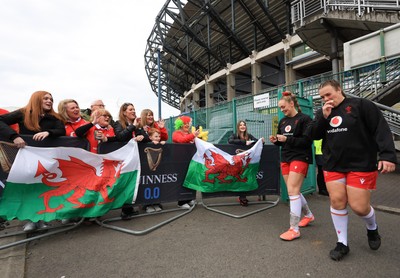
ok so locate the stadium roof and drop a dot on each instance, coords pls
(197, 38)
(193, 39)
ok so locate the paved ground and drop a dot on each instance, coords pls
(207, 244)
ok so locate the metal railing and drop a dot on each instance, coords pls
(221, 119)
(365, 82)
(303, 8)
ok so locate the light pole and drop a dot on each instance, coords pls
(159, 83)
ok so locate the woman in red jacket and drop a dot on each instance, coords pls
(183, 134)
(71, 116)
(98, 130)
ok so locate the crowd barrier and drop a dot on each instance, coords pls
(7, 156)
(268, 178)
(163, 170)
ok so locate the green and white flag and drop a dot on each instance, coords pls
(213, 170)
(63, 182)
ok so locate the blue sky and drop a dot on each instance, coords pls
(80, 49)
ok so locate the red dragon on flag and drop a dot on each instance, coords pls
(218, 165)
(214, 170)
(78, 177)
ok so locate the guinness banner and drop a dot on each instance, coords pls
(164, 167)
(163, 170)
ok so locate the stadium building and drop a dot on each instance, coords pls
(202, 55)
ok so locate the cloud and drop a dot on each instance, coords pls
(84, 50)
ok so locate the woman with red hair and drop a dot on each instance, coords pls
(38, 119)
(146, 121)
(296, 155)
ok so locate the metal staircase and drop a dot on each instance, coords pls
(371, 82)
(378, 83)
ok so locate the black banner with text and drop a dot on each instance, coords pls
(164, 167)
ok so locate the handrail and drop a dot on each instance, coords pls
(356, 87)
(302, 8)
(392, 116)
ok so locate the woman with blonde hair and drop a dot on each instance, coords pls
(38, 119)
(146, 121)
(98, 130)
(71, 116)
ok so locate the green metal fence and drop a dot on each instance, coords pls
(220, 120)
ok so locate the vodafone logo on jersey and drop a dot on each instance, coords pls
(288, 128)
(336, 121)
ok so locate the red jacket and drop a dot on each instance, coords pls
(70, 127)
(181, 137)
(13, 126)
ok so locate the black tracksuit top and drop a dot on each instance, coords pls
(298, 142)
(355, 136)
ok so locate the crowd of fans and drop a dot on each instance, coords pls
(39, 119)
(356, 144)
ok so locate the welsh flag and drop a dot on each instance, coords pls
(63, 182)
(213, 170)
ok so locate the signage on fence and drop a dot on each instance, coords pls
(261, 101)
(163, 170)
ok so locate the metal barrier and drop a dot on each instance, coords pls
(182, 212)
(158, 163)
(268, 179)
(51, 230)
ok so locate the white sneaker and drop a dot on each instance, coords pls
(184, 206)
(65, 221)
(150, 209)
(30, 226)
(157, 208)
(41, 225)
(192, 203)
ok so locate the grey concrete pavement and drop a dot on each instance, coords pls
(207, 244)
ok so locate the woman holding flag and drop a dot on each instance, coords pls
(38, 119)
(296, 154)
(182, 134)
(242, 138)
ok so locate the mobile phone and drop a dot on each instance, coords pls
(197, 127)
